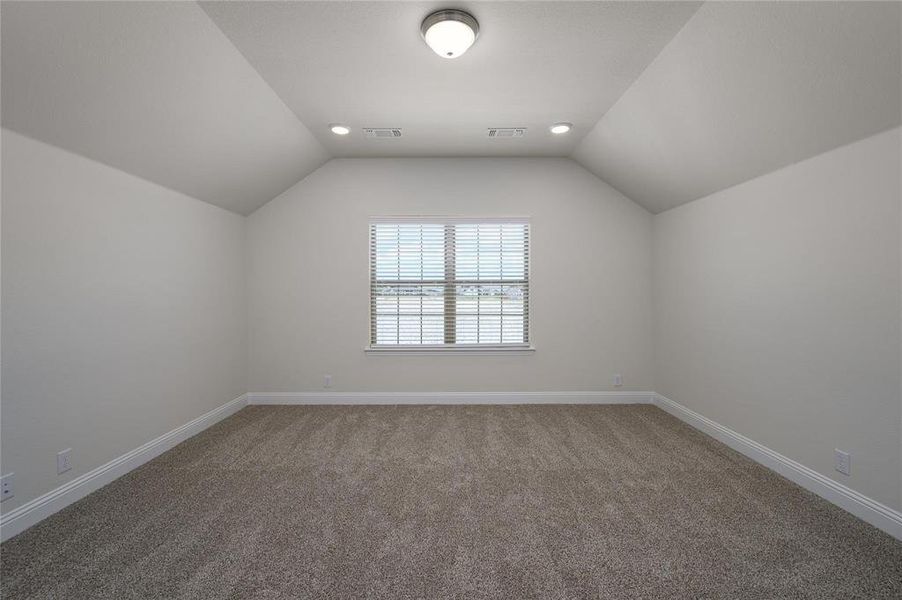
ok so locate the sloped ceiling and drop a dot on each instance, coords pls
(154, 89)
(364, 64)
(229, 102)
(746, 88)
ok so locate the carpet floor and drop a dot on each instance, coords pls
(400, 502)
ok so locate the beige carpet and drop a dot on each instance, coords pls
(452, 502)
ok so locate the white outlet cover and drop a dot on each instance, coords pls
(843, 461)
(7, 489)
(63, 461)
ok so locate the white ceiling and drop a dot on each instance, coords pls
(364, 64)
(156, 90)
(229, 102)
(746, 88)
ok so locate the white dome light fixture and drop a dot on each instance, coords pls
(339, 129)
(559, 128)
(449, 33)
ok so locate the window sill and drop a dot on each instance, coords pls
(449, 349)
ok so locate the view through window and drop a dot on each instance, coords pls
(449, 283)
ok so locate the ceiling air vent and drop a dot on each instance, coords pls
(506, 132)
(382, 132)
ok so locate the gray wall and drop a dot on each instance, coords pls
(777, 306)
(590, 288)
(776, 303)
(124, 312)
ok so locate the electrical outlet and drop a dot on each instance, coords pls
(6, 487)
(618, 380)
(327, 381)
(842, 461)
(63, 461)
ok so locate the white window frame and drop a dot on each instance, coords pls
(527, 347)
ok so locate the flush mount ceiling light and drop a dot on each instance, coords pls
(449, 32)
(559, 128)
(339, 129)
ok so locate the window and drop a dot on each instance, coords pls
(449, 283)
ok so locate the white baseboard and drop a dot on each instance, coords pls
(866, 509)
(451, 398)
(30, 513)
(871, 511)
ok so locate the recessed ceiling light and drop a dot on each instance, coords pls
(449, 32)
(340, 129)
(561, 128)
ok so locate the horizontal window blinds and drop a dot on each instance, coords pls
(448, 283)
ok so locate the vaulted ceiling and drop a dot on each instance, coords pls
(230, 102)
(154, 89)
(534, 63)
(746, 88)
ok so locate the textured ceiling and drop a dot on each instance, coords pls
(746, 88)
(229, 102)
